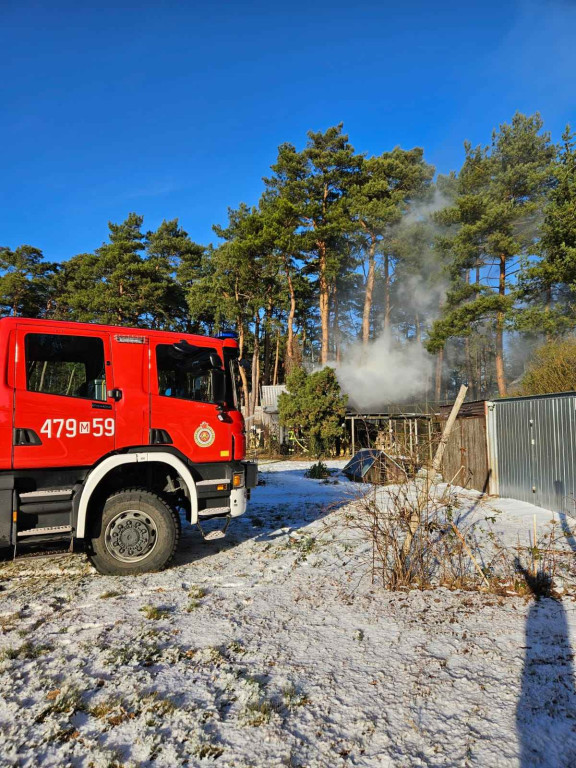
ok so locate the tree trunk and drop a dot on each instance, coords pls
(386, 292)
(324, 302)
(267, 348)
(291, 316)
(438, 382)
(241, 368)
(468, 360)
(276, 360)
(255, 366)
(336, 327)
(369, 291)
(469, 375)
(417, 329)
(500, 375)
(266, 369)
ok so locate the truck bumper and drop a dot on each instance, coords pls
(238, 501)
(239, 496)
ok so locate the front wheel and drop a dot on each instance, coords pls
(136, 532)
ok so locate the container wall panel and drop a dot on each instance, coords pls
(536, 443)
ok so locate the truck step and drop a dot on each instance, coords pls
(222, 481)
(49, 531)
(213, 535)
(55, 495)
(217, 534)
(206, 514)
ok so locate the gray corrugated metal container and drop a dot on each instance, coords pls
(532, 449)
(269, 396)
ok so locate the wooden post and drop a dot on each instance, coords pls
(434, 469)
(437, 462)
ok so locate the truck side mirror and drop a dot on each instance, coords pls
(218, 384)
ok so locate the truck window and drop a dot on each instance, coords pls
(175, 379)
(72, 366)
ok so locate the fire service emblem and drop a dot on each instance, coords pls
(204, 435)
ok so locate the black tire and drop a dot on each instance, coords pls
(137, 532)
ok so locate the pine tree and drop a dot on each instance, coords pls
(121, 285)
(240, 285)
(121, 269)
(172, 264)
(287, 248)
(78, 289)
(25, 282)
(109, 286)
(548, 288)
(500, 192)
(317, 181)
(385, 189)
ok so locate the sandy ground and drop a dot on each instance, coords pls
(272, 648)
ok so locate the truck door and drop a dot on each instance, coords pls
(183, 403)
(62, 414)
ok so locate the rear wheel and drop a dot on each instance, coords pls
(136, 532)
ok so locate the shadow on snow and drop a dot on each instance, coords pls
(546, 710)
(276, 509)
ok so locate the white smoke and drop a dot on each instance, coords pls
(422, 211)
(384, 372)
(421, 296)
(389, 371)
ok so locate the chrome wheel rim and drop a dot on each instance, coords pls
(131, 536)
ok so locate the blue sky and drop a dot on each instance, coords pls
(176, 109)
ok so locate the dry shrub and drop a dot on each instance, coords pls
(553, 369)
(419, 538)
(414, 539)
(546, 566)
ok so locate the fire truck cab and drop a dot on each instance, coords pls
(108, 433)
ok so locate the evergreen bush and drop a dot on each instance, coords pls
(314, 406)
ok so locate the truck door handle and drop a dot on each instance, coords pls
(115, 394)
(25, 437)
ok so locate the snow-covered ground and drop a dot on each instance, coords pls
(272, 648)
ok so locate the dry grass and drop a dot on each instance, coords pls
(154, 612)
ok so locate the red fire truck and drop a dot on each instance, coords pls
(108, 433)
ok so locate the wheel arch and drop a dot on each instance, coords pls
(99, 474)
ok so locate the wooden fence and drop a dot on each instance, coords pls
(466, 456)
